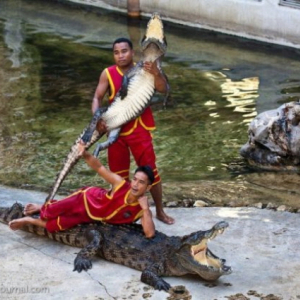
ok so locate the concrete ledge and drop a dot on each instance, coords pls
(262, 246)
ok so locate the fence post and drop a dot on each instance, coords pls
(133, 8)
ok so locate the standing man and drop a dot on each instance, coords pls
(135, 136)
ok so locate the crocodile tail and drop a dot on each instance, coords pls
(90, 136)
(70, 161)
(8, 214)
(16, 212)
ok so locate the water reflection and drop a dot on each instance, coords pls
(240, 94)
(13, 39)
(52, 55)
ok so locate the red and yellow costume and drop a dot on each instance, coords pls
(135, 136)
(90, 204)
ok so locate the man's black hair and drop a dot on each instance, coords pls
(148, 171)
(122, 40)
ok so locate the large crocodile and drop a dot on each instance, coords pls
(132, 99)
(126, 244)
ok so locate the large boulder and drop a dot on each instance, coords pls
(274, 138)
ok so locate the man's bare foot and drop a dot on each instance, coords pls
(32, 208)
(165, 218)
(19, 223)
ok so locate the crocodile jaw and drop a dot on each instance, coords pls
(155, 29)
(154, 43)
(209, 266)
(195, 256)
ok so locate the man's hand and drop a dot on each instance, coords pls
(151, 67)
(81, 148)
(146, 219)
(101, 126)
(143, 201)
(160, 81)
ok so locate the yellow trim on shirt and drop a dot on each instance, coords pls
(119, 71)
(144, 125)
(122, 171)
(73, 194)
(155, 183)
(111, 84)
(117, 188)
(138, 119)
(58, 223)
(85, 200)
(132, 128)
(119, 172)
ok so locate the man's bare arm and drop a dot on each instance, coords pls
(100, 92)
(95, 164)
(146, 219)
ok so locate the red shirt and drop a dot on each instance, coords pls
(111, 208)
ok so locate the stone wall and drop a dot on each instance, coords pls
(263, 20)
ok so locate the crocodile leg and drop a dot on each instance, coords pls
(150, 276)
(83, 258)
(112, 137)
(87, 136)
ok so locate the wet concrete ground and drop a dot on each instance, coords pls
(261, 245)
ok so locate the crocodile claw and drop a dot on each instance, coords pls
(81, 263)
(162, 285)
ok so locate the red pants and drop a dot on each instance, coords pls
(139, 143)
(65, 213)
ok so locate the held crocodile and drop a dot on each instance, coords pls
(133, 98)
(127, 245)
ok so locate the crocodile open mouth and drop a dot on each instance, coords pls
(200, 254)
(154, 35)
(197, 256)
(204, 256)
(155, 28)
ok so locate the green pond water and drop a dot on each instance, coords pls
(52, 54)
